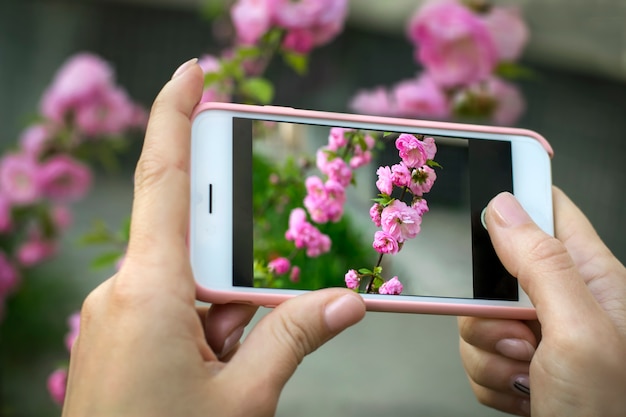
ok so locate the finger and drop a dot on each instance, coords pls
(494, 371)
(279, 342)
(224, 324)
(508, 403)
(541, 263)
(161, 202)
(510, 338)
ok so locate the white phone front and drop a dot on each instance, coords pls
(285, 201)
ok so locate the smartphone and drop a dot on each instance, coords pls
(285, 201)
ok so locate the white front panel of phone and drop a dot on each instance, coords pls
(212, 163)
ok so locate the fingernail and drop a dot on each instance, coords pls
(508, 211)
(521, 384)
(517, 349)
(343, 312)
(231, 341)
(184, 67)
(524, 407)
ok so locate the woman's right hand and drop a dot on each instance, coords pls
(572, 362)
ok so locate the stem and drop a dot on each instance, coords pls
(368, 288)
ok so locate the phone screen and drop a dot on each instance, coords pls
(381, 212)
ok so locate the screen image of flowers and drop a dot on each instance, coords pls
(351, 203)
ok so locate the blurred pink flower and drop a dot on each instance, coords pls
(61, 216)
(385, 181)
(299, 14)
(252, 18)
(510, 103)
(324, 201)
(299, 40)
(110, 113)
(305, 235)
(35, 250)
(453, 43)
(391, 287)
(6, 218)
(337, 138)
(430, 147)
(385, 243)
(33, 139)
(80, 79)
(330, 22)
(422, 180)
(279, 266)
(420, 98)
(352, 279)
(63, 178)
(377, 101)
(73, 321)
(400, 175)
(294, 275)
(57, 384)
(412, 150)
(509, 32)
(210, 65)
(400, 221)
(19, 179)
(338, 170)
(9, 277)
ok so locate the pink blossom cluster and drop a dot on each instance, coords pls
(307, 23)
(460, 50)
(41, 177)
(281, 265)
(412, 177)
(84, 93)
(305, 235)
(57, 380)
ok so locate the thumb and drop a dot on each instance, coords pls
(541, 263)
(278, 343)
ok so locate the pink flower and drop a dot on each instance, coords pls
(294, 275)
(279, 266)
(324, 201)
(362, 156)
(375, 212)
(109, 113)
(305, 235)
(352, 279)
(509, 32)
(35, 250)
(510, 104)
(252, 19)
(421, 206)
(337, 138)
(63, 178)
(430, 147)
(9, 277)
(400, 221)
(61, 216)
(6, 219)
(411, 150)
(210, 65)
(330, 21)
(299, 40)
(73, 322)
(336, 169)
(19, 179)
(400, 175)
(385, 180)
(385, 243)
(421, 98)
(377, 101)
(391, 287)
(453, 43)
(300, 14)
(57, 384)
(33, 139)
(80, 79)
(422, 180)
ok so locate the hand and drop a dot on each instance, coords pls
(572, 361)
(143, 350)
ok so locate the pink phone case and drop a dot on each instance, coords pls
(387, 304)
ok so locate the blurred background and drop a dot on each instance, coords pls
(577, 101)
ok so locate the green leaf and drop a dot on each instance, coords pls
(210, 9)
(378, 270)
(258, 89)
(433, 164)
(513, 71)
(106, 259)
(97, 235)
(247, 52)
(124, 232)
(297, 62)
(212, 78)
(365, 271)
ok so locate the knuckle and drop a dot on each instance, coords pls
(550, 254)
(295, 336)
(150, 169)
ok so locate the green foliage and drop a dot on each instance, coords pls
(258, 90)
(514, 71)
(297, 62)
